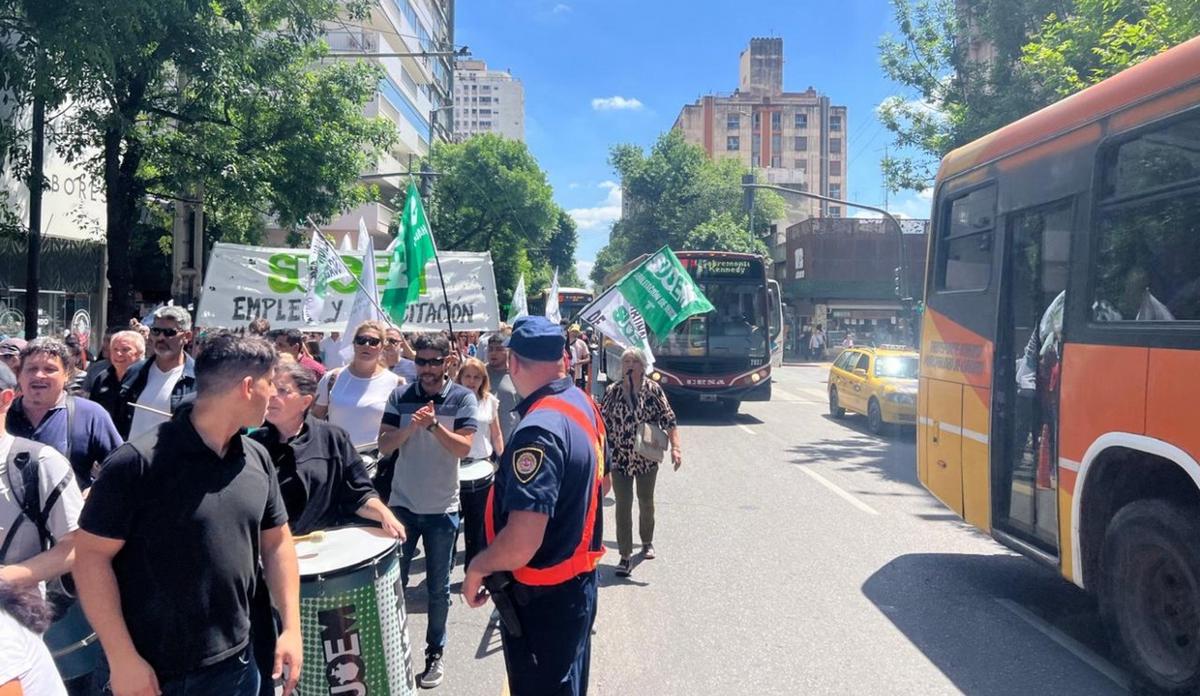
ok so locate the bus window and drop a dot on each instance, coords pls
(738, 326)
(1148, 253)
(965, 251)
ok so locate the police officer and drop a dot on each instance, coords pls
(544, 522)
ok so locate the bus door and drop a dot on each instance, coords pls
(775, 322)
(1028, 372)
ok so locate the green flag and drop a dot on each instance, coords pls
(406, 276)
(663, 292)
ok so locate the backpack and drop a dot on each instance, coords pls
(26, 488)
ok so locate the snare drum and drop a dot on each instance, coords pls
(352, 618)
(475, 474)
(73, 643)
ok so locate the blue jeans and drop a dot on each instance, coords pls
(234, 676)
(439, 532)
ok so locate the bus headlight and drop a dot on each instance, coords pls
(755, 378)
(656, 376)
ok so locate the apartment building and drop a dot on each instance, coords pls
(487, 101)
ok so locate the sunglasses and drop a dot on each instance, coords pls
(367, 341)
(434, 362)
(393, 341)
(158, 331)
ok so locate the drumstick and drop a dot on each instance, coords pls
(148, 408)
(315, 537)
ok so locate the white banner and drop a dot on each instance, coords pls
(613, 316)
(245, 282)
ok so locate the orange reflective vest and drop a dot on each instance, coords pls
(583, 559)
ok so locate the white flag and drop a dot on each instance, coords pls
(346, 245)
(520, 304)
(366, 303)
(324, 267)
(363, 235)
(615, 317)
(552, 312)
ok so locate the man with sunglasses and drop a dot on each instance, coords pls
(431, 424)
(154, 387)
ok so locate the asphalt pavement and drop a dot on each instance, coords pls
(798, 554)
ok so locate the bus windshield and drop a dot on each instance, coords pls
(896, 367)
(736, 328)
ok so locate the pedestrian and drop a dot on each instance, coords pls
(501, 382)
(259, 327)
(10, 353)
(79, 429)
(331, 346)
(37, 533)
(545, 525)
(291, 342)
(171, 538)
(322, 481)
(155, 386)
(476, 470)
(26, 668)
(124, 349)
(816, 344)
(102, 361)
(396, 358)
(353, 397)
(78, 364)
(430, 424)
(632, 408)
(581, 356)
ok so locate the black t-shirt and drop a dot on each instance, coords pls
(190, 521)
(321, 476)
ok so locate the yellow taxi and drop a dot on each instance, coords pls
(880, 383)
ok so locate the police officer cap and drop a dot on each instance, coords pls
(537, 338)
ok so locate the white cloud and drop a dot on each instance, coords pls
(616, 103)
(561, 8)
(601, 217)
(910, 205)
(584, 270)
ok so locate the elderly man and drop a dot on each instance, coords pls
(79, 429)
(156, 386)
(125, 348)
(171, 536)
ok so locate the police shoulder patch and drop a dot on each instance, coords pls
(526, 462)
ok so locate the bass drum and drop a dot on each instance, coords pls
(73, 643)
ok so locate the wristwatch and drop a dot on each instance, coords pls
(431, 426)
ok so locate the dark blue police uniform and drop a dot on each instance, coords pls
(552, 465)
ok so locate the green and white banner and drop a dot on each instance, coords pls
(613, 316)
(663, 292)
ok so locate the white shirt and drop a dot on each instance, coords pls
(579, 352)
(331, 356)
(156, 395)
(487, 411)
(24, 657)
(356, 404)
(64, 516)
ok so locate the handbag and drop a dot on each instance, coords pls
(651, 442)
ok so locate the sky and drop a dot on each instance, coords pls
(598, 73)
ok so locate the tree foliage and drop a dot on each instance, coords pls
(491, 195)
(216, 100)
(676, 195)
(970, 67)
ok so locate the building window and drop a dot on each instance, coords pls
(835, 123)
(835, 146)
(800, 143)
(756, 145)
(801, 120)
(757, 119)
(776, 120)
(733, 142)
(776, 161)
(776, 143)
(835, 168)
(835, 211)
(802, 165)
(835, 190)
(733, 122)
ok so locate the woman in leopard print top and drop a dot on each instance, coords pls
(627, 404)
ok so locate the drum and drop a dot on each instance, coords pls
(73, 643)
(353, 621)
(475, 474)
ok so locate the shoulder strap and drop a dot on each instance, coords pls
(23, 458)
(70, 406)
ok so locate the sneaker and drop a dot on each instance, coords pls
(648, 552)
(624, 568)
(435, 671)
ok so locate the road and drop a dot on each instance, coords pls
(798, 554)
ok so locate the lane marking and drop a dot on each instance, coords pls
(1079, 650)
(839, 491)
(746, 428)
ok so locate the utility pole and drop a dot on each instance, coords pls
(37, 165)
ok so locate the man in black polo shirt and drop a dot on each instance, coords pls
(171, 535)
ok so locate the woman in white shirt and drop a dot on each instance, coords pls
(476, 472)
(353, 397)
(26, 668)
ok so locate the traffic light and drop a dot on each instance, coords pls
(896, 281)
(747, 193)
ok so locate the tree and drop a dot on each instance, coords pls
(491, 195)
(972, 66)
(218, 100)
(670, 193)
(560, 252)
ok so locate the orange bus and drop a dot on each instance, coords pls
(1060, 351)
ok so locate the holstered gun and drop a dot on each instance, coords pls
(500, 586)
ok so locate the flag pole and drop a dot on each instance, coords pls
(355, 278)
(445, 295)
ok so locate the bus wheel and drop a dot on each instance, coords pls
(835, 408)
(1150, 592)
(875, 417)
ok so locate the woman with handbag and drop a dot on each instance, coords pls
(641, 428)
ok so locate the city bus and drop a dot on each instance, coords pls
(775, 321)
(721, 357)
(570, 301)
(1060, 351)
